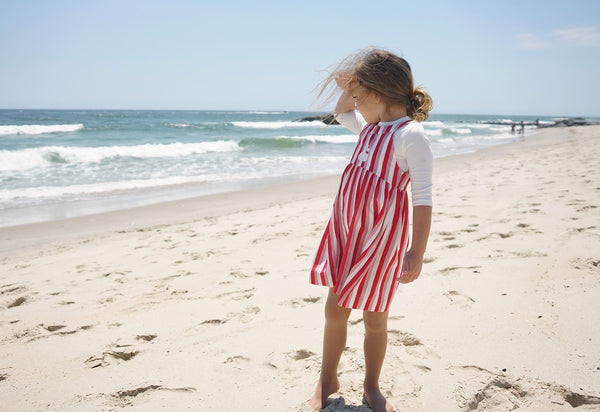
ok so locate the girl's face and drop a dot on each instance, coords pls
(368, 104)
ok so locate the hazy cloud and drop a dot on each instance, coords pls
(578, 36)
(530, 41)
(571, 37)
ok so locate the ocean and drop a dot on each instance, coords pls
(57, 164)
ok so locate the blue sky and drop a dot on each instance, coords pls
(479, 57)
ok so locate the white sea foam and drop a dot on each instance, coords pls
(43, 156)
(479, 126)
(336, 139)
(464, 130)
(189, 126)
(252, 168)
(39, 129)
(278, 125)
(435, 132)
(434, 124)
(92, 188)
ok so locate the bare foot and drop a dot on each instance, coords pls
(376, 400)
(322, 392)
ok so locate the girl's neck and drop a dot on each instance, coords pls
(392, 113)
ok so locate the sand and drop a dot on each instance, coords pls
(204, 304)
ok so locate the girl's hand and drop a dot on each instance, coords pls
(344, 81)
(411, 268)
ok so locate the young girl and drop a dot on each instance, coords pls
(364, 252)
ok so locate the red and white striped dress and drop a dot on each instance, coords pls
(363, 246)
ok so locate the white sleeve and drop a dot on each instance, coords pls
(352, 120)
(413, 153)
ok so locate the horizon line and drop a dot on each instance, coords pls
(282, 110)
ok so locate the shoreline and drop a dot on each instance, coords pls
(225, 202)
(68, 195)
(171, 305)
(165, 213)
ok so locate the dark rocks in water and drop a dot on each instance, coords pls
(328, 119)
(576, 121)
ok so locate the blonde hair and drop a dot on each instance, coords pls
(385, 74)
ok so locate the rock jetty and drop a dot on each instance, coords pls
(328, 119)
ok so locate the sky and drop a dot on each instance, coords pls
(474, 57)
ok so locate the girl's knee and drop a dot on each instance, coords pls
(333, 311)
(375, 321)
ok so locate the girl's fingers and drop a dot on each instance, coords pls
(343, 81)
(409, 272)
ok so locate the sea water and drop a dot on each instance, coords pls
(61, 163)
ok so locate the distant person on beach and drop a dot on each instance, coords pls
(364, 253)
(522, 130)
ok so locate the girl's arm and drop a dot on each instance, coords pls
(413, 259)
(345, 103)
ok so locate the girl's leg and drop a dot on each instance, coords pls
(375, 346)
(334, 342)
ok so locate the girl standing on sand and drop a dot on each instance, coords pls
(364, 253)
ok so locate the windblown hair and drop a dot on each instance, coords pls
(385, 74)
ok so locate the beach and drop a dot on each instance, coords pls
(204, 303)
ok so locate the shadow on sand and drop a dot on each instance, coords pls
(339, 405)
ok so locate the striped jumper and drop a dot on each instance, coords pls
(362, 248)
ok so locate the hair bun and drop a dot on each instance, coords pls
(421, 104)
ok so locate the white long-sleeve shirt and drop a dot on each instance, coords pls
(413, 153)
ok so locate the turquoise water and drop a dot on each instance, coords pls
(61, 163)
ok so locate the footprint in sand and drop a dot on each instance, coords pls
(236, 359)
(211, 322)
(404, 338)
(117, 352)
(303, 252)
(238, 274)
(126, 397)
(483, 390)
(12, 289)
(301, 302)
(247, 314)
(411, 344)
(456, 298)
(108, 357)
(240, 294)
(496, 234)
(302, 354)
(474, 269)
(17, 302)
(53, 328)
(584, 229)
(146, 338)
(582, 263)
